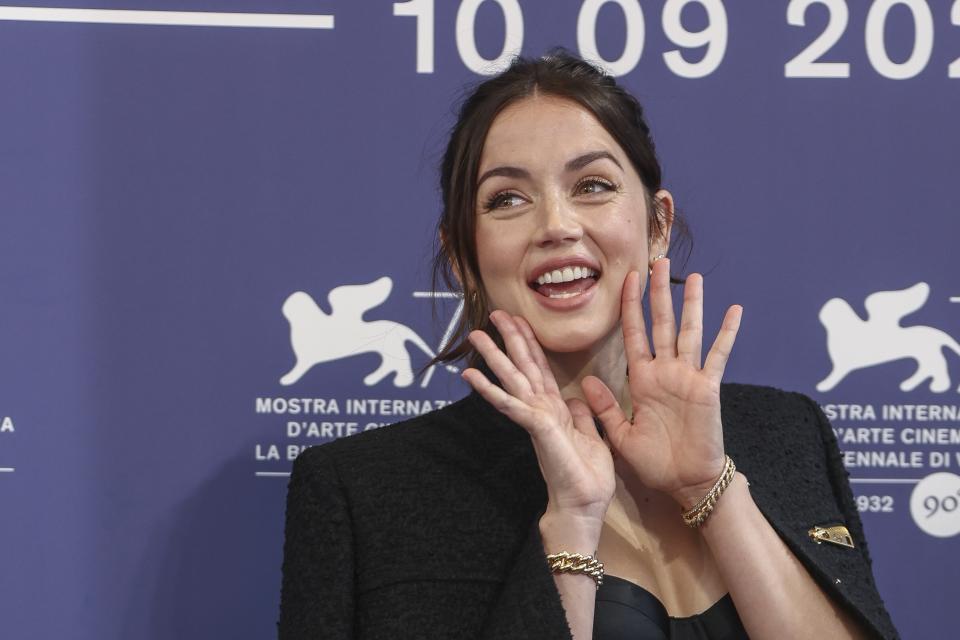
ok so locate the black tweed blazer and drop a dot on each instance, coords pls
(428, 528)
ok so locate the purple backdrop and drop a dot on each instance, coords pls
(166, 188)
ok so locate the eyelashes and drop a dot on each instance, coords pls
(594, 181)
(588, 186)
(500, 200)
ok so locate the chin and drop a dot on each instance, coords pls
(581, 339)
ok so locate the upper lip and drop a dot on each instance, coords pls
(560, 263)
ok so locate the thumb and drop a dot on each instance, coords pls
(605, 406)
(582, 418)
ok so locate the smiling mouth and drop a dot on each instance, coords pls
(565, 283)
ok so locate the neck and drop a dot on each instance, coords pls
(606, 360)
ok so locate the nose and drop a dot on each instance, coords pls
(559, 223)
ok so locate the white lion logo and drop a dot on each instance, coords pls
(318, 337)
(854, 343)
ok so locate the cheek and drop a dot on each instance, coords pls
(486, 249)
(499, 256)
(625, 243)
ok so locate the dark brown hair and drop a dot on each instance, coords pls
(557, 74)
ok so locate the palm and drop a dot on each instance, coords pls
(675, 440)
(675, 425)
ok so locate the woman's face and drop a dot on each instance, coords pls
(561, 220)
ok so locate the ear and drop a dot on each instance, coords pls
(454, 269)
(663, 209)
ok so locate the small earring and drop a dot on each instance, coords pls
(658, 257)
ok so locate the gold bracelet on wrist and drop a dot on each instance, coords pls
(695, 516)
(565, 562)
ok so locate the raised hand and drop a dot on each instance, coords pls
(674, 440)
(576, 464)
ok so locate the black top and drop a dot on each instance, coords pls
(627, 611)
(429, 528)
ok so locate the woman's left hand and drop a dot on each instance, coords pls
(674, 442)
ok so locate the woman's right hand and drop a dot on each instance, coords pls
(575, 461)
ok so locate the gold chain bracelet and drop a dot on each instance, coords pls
(565, 562)
(695, 516)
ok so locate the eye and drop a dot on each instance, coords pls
(503, 200)
(593, 184)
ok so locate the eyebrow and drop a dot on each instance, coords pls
(581, 161)
(508, 172)
(575, 164)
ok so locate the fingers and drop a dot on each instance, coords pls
(690, 339)
(518, 350)
(661, 310)
(539, 358)
(631, 319)
(603, 403)
(497, 397)
(513, 380)
(720, 351)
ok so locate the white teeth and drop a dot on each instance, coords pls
(554, 296)
(567, 274)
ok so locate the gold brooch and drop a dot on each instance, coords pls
(836, 534)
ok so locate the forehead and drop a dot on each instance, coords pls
(543, 130)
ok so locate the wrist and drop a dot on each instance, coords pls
(699, 512)
(574, 533)
(688, 496)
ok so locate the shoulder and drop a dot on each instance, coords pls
(769, 423)
(780, 441)
(461, 433)
(748, 400)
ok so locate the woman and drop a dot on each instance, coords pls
(490, 517)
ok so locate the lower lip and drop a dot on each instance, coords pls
(566, 304)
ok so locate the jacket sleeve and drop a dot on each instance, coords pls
(864, 593)
(317, 596)
(528, 606)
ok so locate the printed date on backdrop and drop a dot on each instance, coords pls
(708, 44)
